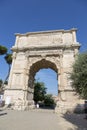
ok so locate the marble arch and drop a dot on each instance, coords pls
(35, 50)
(35, 68)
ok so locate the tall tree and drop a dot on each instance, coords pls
(79, 75)
(3, 50)
(39, 91)
(1, 82)
(8, 59)
(49, 101)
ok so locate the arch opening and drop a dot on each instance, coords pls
(50, 79)
(42, 64)
(52, 72)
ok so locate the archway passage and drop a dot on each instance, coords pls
(37, 66)
(50, 79)
(42, 64)
(46, 88)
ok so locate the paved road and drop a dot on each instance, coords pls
(34, 120)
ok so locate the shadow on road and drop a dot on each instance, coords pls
(3, 113)
(78, 119)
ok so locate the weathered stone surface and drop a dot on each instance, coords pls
(33, 51)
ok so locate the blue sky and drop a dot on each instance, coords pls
(21, 16)
(49, 77)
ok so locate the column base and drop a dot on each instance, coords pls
(23, 105)
(18, 99)
(69, 102)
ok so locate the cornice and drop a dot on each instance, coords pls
(15, 48)
(46, 32)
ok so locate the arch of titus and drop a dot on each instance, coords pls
(36, 50)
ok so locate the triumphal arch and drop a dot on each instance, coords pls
(33, 51)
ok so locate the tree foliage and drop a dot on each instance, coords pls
(3, 50)
(39, 91)
(1, 86)
(41, 96)
(49, 101)
(8, 59)
(1, 82)
(79, 75)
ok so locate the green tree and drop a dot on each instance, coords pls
(39, 91)
(49, 101)
(3, 50)
(8, 59)
(1, 85)
(1, 82)
(79, 75)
